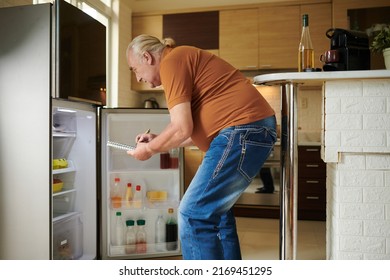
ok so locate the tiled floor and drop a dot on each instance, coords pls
(259, 239)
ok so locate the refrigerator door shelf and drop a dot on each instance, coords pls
(150, 216)
(151, 250)
(144, 205)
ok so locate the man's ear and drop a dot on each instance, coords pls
(148, 58)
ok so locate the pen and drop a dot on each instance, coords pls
(147, 131)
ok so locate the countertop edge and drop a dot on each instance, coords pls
(299, 77)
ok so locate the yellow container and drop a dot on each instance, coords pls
(57, 187)
(157, 195)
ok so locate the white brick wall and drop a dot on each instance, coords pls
(358, 212)
(357, 117)
(356, 147)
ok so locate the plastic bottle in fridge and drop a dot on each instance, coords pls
(119, 230)
(141, 237)
(116, 193)
(160, 233)
(171, 231)
(130, 238)
(137, 199)
(129, 195)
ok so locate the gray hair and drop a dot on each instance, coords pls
(147, 43)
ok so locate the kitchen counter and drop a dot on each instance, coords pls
(309, 78)
(355, 144)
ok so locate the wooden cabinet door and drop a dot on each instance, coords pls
(238, 38)
(320, 20)
(279, 35)
(192, 159)
(151, 25)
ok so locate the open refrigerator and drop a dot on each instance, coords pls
(80, 136)
(159, 181)
(56, 169)
(74, 181)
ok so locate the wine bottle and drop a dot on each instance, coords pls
(306, 50)
(171, 234)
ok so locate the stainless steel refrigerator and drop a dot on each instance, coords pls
(56, 170)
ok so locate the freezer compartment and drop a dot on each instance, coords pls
(68, 237)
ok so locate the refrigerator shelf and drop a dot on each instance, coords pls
(63, 192)
(67, 134)
(119, 251)
(146, 204)
(60, 217)
(71, 168)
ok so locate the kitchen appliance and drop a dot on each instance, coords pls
(352, 47)
(151, 103)
(66, 212)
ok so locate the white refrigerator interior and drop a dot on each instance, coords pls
(159, 180)
(74, 181)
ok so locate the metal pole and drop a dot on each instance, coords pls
(289, 172)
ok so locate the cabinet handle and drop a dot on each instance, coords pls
(265, 66)
(312, 197)
(312, 165)
(312, 150)
(312, 181)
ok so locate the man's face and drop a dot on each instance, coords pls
(146, 68)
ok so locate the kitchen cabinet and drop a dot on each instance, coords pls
(238, 38)
(311, 184)
(192, 159)
(280, 30)
(279, 35)
(151, 25)
(341, 7)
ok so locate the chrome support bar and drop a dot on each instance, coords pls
(289, 172)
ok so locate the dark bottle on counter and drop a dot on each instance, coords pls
(171, 231)
(306, 50)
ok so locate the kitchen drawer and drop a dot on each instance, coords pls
(312, 170)
(311, 185)
(309, 154)
(312, 200)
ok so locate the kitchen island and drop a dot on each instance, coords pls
(355, 144)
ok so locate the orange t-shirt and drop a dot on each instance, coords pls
(220, 95)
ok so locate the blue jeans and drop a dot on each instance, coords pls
(206, 223)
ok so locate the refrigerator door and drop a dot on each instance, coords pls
(25, 86)
(74, 191)
(160, 180)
